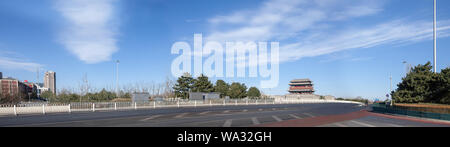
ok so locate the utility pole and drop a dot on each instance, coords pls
(117, 77)
(390, 89)
(434, 37)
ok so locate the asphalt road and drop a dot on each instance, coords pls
(216, 116)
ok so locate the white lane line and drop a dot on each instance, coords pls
(310, 115)
(226, 111)
(361, 123)
(203, 113)
(149, 118)
(260, 109)
(180, 115)
(394, 125)
(340, 125)
(276, 118)
(294, 116)
(227, 123)
(255, 121)
(245, 110)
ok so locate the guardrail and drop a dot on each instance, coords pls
(396, 110)
(112, 106)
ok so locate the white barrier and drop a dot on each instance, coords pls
(110, 106)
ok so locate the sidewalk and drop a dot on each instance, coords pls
(323, 120)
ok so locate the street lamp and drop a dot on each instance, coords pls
(117, 77)
(390, 92)
(434, 37)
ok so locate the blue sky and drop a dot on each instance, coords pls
(347, 47)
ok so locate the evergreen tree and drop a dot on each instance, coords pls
(183, 85)
(222, 87)
(415, 86)
(253, 92)
(422, 85)
(202, 84)
(237, 90)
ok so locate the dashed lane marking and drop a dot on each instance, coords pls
(203, 113)
(294, 116)
(361, 123)
(180, 115)
(276, 118)
(310, 115)
(255, 121)
(340, 125)
(152, 117)
(228, 123)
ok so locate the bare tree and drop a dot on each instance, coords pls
(84, 87)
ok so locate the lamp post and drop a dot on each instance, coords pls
(117, 77)
(434, 37)
(390, 92)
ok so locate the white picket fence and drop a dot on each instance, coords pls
(15, 110)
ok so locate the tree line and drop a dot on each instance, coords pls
(186, 83)
(422, 85)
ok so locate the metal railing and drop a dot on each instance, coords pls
(43, 108)
(380, 108)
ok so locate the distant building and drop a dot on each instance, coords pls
(50, 81)
(140, 97)
(1, 75)
(301, 86)
(30, 87)
(13, 87)
(203, 95)
(40, 88)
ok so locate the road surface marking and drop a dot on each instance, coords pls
(203, 113)
(227, 123)
(152, 117)
(255, 121)
(361, 123)
(294, 116)
(245, 110)
(226, 111)
(276, 118)
(394, 125)
(274, 109)
(180, 115)
(340, 125)
(310, 115)
(260, 109)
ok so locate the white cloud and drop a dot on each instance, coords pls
(311, 28)
(18, 64)
(91, 30)
(393, 32)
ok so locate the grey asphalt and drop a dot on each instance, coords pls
(216, 116)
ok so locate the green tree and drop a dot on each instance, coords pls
(222, 87)
(253, 92)
(415, 87)
(47, 95)
(422, 85)
(183, 86)
(237, 90)
(202, 84)
(441, 87)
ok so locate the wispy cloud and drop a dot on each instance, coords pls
(307, 28)
(14, 62)
(91, 30)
